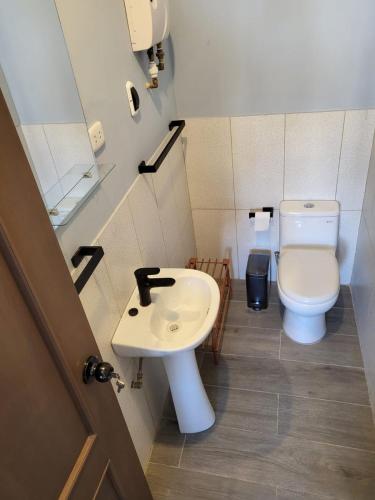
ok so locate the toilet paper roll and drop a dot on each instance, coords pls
(262, 221)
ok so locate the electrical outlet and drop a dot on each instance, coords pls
(96, 134)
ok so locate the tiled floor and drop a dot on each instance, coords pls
(292, 421)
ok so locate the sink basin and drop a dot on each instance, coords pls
(178, 319)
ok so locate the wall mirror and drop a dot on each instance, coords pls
(38, 83)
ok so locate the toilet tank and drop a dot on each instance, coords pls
(309, 223)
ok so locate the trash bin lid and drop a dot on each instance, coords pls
(257, 264)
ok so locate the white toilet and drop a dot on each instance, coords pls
(308, 272)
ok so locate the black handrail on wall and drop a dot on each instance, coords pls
(96, 254)
(151, 169)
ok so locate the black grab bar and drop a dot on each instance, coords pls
(151, 169)
(96, 254)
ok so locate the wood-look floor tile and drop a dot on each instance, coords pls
(240, 315)
(169, 411)
(345, 298)
(332, 349)
(168, 444)
(244, 409)
(341, 321)
(239, 291)
(327, 421)
(241, 340)
(282, 494)
(288, 377)
(282, 461)
(180, 484)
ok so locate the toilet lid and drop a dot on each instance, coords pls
(309, 275)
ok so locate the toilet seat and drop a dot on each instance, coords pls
(308, 276)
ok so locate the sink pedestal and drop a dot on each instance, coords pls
(193, 408)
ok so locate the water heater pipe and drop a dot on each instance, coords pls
(160, 55)
(153, 70)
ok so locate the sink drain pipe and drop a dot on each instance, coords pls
(137, 384)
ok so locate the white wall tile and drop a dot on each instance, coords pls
(184, 245)
(166, 201)
(363, 281)
(208, 158)
(144, 210)
(367, 342)
(70, 145)
(363, 276)
(368, 207)
(100, 307)
(215, 234)
(173, 204)
(363, 292)
(355, 156)
(312, 152)
(141, 408)
(102, 313)
(189, 248)
(138, 417)
(248, 239)
(180, 182)
(348, 233)
(156, 386)
(121, 253)
(137, 229)
(82, 229)
(258, 160)
(40, 155)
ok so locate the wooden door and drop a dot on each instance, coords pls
(59, 437)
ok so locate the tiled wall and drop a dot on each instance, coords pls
(152, 226)
(53, 149)
(363, 281)
(236, 164)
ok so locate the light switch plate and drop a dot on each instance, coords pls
(96, 134)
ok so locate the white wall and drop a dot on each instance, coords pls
(98, 42)
(249, 57)
(363, 281)
(151, 226)
(36, 63)
(242, 163)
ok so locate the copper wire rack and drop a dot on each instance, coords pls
(219, 270)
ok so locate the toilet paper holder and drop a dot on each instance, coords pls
(264, 209)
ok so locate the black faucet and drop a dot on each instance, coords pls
(145, 283)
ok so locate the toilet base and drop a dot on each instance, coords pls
(304, 329)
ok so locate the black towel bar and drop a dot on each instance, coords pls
(96, 254)
(151, 169)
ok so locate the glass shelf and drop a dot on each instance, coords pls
(65, 198)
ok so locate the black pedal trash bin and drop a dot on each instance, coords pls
(257, 281)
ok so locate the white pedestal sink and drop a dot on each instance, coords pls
(178, 319)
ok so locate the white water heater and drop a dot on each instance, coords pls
(148, 22)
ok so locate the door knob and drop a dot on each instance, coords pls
(101, 371)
